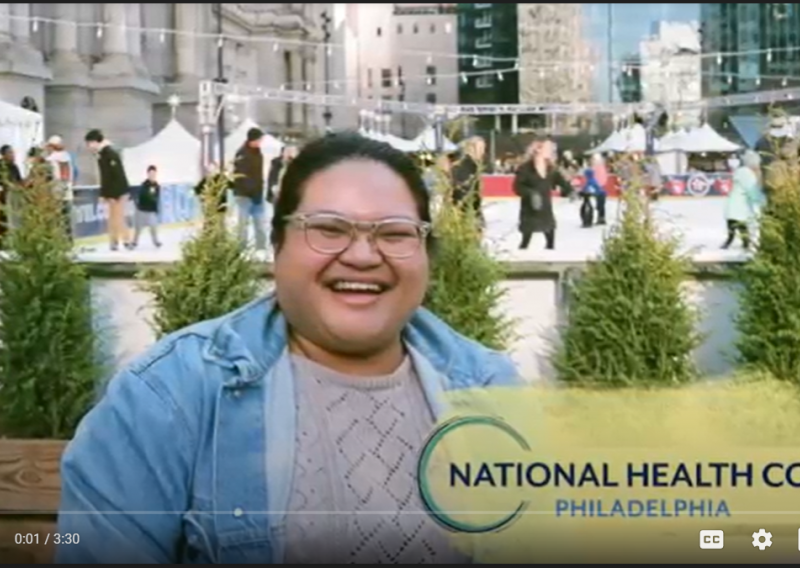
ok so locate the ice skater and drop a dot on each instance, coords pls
(745, 200)
(591, 188)
(147, 201)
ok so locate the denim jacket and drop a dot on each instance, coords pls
(189, 456)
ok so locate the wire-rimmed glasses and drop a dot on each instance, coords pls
(327, 233)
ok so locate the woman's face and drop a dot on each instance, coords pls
(311, 285)
(543, 149)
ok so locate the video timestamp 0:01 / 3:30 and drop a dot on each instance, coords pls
(47, 538)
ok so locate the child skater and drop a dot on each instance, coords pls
(147, 208)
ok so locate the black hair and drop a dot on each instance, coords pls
(5, 148)
(331, 149)
(94, 135)
(151, 169)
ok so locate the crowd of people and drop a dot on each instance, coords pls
(58, 168)
(538, 173)
(245, 180)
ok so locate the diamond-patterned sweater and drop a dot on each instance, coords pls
(355, 498)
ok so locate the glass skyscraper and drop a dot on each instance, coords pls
(758, 47)
(488, 31)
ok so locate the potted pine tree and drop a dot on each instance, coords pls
(216, 272)
(466, 279)
(769, 299)
(628, 322)
(49, 361)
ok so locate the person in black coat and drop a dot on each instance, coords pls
(534, 182)
(215, 179)
(10, 179)
(114, 187)
(248, 188)
(275, 167)
(466, 176)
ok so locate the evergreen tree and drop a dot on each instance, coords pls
(466, 280)
(628, 322)
(49, 351)
(769, 300)
(214, 276)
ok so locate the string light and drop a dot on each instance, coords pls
(476, 60)
(297, 42)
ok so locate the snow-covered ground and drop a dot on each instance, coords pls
(699, 221)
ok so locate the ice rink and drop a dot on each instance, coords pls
(699, 221)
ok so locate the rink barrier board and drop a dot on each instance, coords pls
(689, 185)
(177, 204)
(700, 269)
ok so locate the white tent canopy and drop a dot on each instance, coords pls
(394, 141)
(630, 139)
(174, 151)
(672, 141)
(706, 139)
(21, 128)
(270, 146)
(671, 158)
(427, 141)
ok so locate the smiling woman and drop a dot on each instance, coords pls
(289, 430)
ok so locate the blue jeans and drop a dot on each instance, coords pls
(248, 209)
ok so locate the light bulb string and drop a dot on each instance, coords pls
(278, 42)
(543, 67)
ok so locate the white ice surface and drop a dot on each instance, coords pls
(699, 221)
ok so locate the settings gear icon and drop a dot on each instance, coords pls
(762, 539)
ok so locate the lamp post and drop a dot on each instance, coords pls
(326, 28)
(220, 79)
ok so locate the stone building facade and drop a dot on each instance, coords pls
(119, 76)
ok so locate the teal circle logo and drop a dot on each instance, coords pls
(439, 514)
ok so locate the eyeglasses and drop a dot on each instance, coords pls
(332, 234)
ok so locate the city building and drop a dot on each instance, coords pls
(554, 58)
(488, 46)
(115, 66)
(758, 47)
(670, 71)
(402, 52)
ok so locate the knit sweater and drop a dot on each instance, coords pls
(355, 498)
